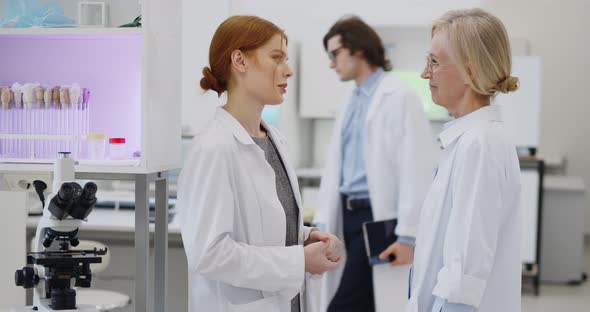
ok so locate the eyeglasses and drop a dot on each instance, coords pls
(334, 53)
(431, 64)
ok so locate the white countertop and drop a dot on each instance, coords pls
(86, 167)
(111, 220)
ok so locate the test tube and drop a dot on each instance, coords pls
(86, 107)
(28, 99)
(45, 119)
(74, 93)
(5, 97)
(39, 92)
(55, 119)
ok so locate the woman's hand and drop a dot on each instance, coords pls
(316, 258)
(335, 246)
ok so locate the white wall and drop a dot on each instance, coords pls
(302, 17)
(200, 20)
(557, 31)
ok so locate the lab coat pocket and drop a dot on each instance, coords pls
(390, 287)
(266, 304)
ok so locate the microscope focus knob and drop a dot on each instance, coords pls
(26, 277)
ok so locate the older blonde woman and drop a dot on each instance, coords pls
(467, 251)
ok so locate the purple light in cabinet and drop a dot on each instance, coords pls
(108, 65)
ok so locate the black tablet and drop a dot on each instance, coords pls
(378, 236)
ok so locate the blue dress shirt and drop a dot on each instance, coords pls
(353, 182)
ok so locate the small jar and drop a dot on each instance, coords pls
(117, 149)
(96, 143)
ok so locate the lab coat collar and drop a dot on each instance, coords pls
(236, 128)
(454, 129)
(370, 85)
(387, 84)
(243, 137)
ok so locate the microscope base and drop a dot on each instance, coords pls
(80, 308)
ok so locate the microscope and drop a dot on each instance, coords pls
(53, 268)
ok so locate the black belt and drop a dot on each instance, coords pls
(355, 204)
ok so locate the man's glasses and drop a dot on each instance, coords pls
(334, 53)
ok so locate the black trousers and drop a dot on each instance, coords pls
(355, 292)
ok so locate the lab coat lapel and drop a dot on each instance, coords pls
(281, 148)
(387, 84)
(262, 178)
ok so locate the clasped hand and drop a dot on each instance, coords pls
(323, 252)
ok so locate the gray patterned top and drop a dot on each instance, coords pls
(286, 197)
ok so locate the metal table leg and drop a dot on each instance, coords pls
(161, 245)
(142, 240)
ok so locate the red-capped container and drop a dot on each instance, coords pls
(117, 149)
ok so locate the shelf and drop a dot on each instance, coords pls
(564, 183)
(82, 31)
(82, 162)
(34, 168)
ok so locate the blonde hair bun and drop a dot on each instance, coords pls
(509, 84)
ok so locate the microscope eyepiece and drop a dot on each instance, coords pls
(89, 192)
(69, 191)
(85, 204)
(61, 204)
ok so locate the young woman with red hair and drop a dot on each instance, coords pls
(246, 246)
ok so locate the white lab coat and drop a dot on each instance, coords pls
(468, 246)
(233, 225)
(399, 159)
